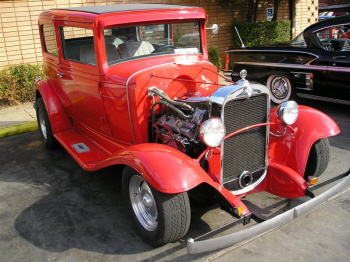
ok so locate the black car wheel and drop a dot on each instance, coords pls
(318, 158)
(44, 124)
(159, 218)
(280, 89)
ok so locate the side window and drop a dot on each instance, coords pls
(78, 45)
(50, 39)
(335, 38)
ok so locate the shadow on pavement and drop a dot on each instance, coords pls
(63, 207)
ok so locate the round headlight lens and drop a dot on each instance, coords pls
(212, 132)
(288, 112)
(243, 74)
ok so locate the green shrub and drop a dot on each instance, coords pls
(214, 57)
(17, 83)
(258, 33)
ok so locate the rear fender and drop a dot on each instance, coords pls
(59, 119)
(293, 148)
(167, 170)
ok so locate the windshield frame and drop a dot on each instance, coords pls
(152, 40)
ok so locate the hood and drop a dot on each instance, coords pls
(174, 75)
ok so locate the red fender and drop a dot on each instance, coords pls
(282, 181)
(167, 170)
(59, 119)
(292, 149)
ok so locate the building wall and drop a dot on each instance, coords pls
(19, 36)
(306, 13)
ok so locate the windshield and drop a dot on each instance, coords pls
(132, 42)
(298, 41)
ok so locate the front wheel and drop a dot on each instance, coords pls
(280, 89)
(318, 158)
(159, 218)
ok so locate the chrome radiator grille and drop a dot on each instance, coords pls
(247, 150)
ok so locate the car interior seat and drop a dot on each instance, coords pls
(112, 53)
(135, 48)
(87, 54)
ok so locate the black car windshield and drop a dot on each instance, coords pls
(298, 41)
(133, 42)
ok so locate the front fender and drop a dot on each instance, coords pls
(59, 119)
(294, 147)
(167, 170)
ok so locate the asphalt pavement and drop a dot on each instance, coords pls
(52, 210)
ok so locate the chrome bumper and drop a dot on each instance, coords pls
(194, 247)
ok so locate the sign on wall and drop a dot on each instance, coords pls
(269, 13)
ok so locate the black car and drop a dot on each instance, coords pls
(315, 65)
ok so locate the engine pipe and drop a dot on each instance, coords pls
(182, 114)
(165, 97)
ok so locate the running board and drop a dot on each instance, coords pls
(81, 149)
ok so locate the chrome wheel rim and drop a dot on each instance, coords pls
(42, 123)
(279, 88)
(143, 203)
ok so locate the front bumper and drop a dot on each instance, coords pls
(194, 246)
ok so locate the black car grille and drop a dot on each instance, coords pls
(245, 151)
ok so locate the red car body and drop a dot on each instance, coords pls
(105, 113)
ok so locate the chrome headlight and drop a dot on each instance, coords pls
(212, 132)
(288, 112)
(243, 74)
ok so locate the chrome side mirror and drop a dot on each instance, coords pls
(214, 28)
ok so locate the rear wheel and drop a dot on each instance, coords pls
(280, 89)
(318, 158)
(159, 218)
(44, 124)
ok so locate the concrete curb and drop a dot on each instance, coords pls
(18, 129)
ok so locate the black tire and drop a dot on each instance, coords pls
(159, 218)
(281, 90)
(44, 124)
(318, 158)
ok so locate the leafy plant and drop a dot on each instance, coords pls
(17, 83)
(258, 33)
(214, 57)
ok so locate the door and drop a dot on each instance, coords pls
(80, 79)
(336, 41)
(339, 75)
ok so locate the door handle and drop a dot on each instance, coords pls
(60, 75)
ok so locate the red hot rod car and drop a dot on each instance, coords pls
(131, 85)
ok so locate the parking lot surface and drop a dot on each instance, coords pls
(52, 210)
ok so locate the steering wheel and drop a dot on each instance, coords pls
(328, 47)
(164, 48)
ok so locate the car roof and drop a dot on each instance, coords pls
(105, 9)
(344, 19)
